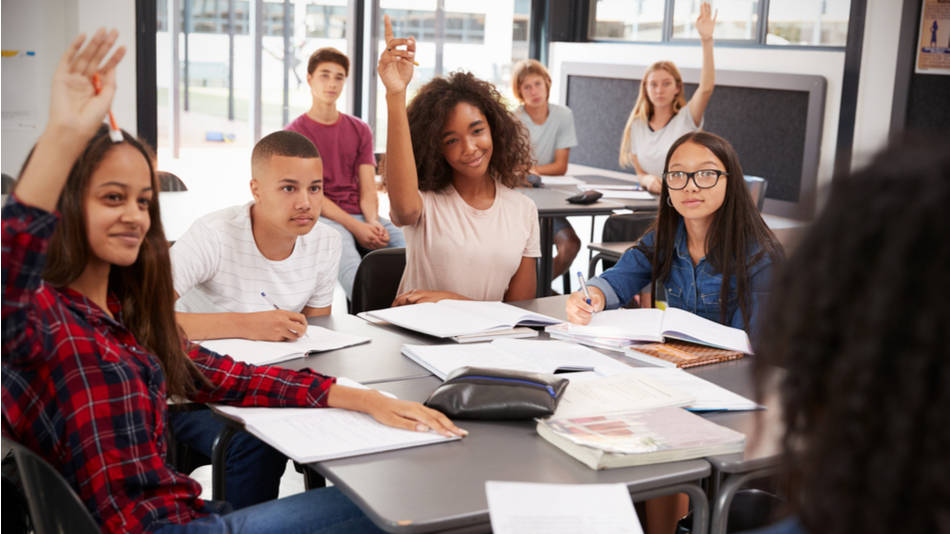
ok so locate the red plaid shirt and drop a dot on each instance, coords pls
(79, 390)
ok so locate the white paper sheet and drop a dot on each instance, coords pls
(591, 394)
(318, 339)
(531, 508)
(706, 395)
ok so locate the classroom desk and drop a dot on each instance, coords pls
(442, 487)
(730, 471)
(584, 173)
(377, 361)
(551, 203)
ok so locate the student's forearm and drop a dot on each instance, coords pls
(551, 169)
(401, 178)
(707, 79)
(42, 181)
(369, 207)
(359, 400)
(213, 325)
(369, 202)
(336, 214)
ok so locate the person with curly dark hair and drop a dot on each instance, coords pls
(861, 326)
(709, 246)
(453, 158)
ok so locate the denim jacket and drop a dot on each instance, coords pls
(694, 288)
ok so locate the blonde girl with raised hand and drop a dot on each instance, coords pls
(662, 114)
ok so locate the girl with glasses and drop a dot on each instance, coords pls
(662, 114)
(709, 246)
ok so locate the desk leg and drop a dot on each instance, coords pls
(546, 268)
(697, 498)
(725, 491)
(219, 450)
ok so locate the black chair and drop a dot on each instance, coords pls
(377, 279)
(627, 227)
(170, 182)
(757, 187)
(52, 504)
(8, 183)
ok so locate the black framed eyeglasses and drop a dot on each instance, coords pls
(703, 178)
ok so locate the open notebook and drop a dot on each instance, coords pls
(317, 434)
(449, 318)
(317, 340)
(515, 354)
(624, 327)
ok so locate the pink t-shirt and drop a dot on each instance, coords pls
(472, 252)
(343, 147)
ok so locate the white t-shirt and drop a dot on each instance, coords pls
(217, 267)
(555, 133)
(651, 147)
(455, 247)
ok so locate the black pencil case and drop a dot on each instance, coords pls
(495, 394)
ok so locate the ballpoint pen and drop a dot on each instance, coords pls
(276, 307)
(580, 278)
(114, 132)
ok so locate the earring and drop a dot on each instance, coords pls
(669, 201)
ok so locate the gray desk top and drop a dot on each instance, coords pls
(375, 361)
(552, 202)
(442, 487)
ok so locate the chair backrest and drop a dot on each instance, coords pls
(170, 182)
(7, 186)
(757, 187)
(54, 506)
(377, 279)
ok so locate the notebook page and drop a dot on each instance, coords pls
(317, 339)
(532, 508)
(316, 434)
(681, 324)
(554, 355)
(437, 319)
(441, 360)
(707, 396)
(590, 394)
(503, 315)
(640, 324)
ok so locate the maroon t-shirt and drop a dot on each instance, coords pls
(343, 147)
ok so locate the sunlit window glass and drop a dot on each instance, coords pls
(738, 20)
(808, 22)
(639, 20)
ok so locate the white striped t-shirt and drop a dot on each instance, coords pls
(217, 267)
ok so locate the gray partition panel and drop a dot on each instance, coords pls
(773, 120)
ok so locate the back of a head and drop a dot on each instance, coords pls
(859, 320)
(281, 143)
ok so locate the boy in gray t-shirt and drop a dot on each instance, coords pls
(552, 136)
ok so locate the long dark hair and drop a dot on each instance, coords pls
(144, 289)
(738, 237)
(858, 317)
(511, 154)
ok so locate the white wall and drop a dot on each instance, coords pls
(47, 27)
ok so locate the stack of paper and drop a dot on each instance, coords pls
(448, 318)
(623, 327)
(316, 340)
(317, 434)
(514, 354)
(592, 394)
(707, 396)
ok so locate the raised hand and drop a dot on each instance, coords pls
(74, 103)
(706, 21)
(396, 65)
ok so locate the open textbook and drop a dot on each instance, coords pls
(317, 339)
(448, 318)
(639, 437)
(619, 328)
(535, 356)
(317, 434)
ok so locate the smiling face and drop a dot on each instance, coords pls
(288, 194)
(534, 91)
(662, 88)
(466, 142)
(116, 203)
(326, 82)
(692, 202)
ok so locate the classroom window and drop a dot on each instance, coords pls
(787, 22)
(737, 20)
(622, 20)
(808, 22)
(328, 22)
